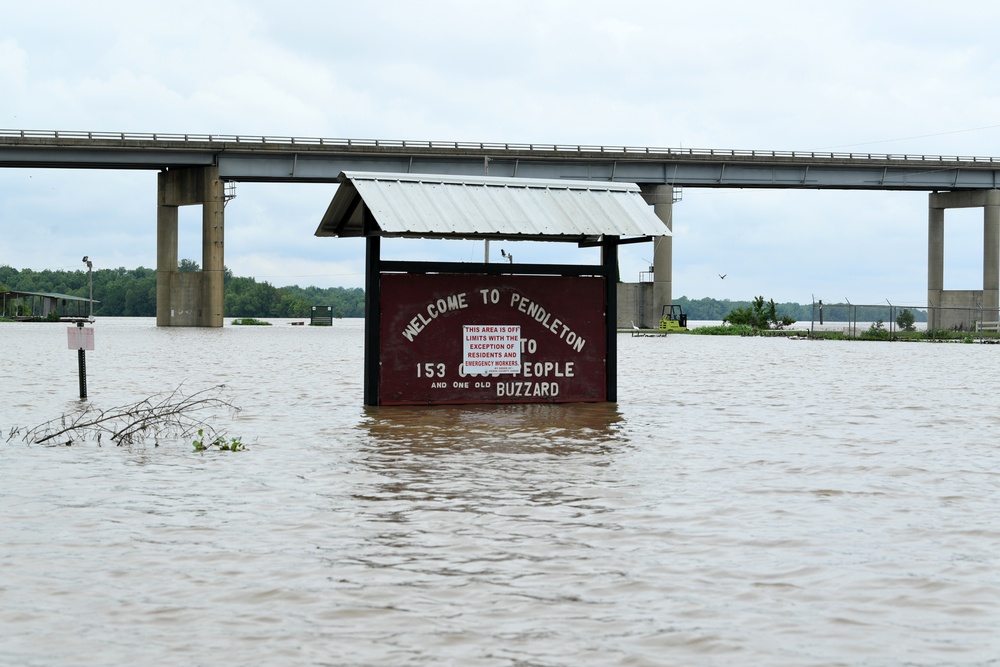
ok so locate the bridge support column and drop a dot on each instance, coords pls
(935, 265)
(959, 309)
(661, 197)
(190, 299)
(991, 258)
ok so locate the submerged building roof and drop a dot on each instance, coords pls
(483, 207)
(14, 294)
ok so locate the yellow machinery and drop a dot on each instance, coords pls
(673, 319)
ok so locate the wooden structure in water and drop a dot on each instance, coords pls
(43, 306)
(441, 332)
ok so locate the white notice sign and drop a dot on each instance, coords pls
(80, 338)
(491, 348)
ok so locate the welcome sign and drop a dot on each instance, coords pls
(470, 338)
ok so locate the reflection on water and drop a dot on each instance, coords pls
(483, 459)
(558, 429)
(747, 501)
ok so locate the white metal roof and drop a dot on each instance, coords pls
(433, 206)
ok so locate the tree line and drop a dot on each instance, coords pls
(719, 309)
(132, 293)
(125, 292)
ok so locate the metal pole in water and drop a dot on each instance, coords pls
(82, 362)
(90, 275)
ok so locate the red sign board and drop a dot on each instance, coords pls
(491, 339)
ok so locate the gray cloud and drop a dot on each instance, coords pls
(888, 77)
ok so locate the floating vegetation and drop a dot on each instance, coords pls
(220, 442)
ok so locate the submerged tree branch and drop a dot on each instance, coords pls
(172, 415)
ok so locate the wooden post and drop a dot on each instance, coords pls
(373, 319)
(609, 262)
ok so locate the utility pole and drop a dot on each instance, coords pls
(90, 276)
(486, 172)
(83, 338)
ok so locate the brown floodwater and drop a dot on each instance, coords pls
(745, 502)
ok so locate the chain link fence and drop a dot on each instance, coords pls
(890, 321)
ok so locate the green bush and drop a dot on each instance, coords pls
(760, 315)
(725, 330)
(828, 335)
(876, 331)
(945, 334)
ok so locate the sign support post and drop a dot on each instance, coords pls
(81, 339)
(82, 362)
(373, 318)
(609, 262)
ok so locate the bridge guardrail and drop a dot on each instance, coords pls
(483, 146)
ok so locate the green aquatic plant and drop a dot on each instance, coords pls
(250, 321)
(220, 442)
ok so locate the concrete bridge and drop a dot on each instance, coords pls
(194, 168)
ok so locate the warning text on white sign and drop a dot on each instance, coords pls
(491, 348)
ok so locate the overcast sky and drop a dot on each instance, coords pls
(886, 77)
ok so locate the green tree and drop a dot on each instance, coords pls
(245, 297)
(716, 309)
(132, 292)
(760, 315)
(905, 320)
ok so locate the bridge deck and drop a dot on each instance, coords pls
(313, 159)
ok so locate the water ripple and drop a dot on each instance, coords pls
(749, 501)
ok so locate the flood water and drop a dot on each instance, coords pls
(745, 502)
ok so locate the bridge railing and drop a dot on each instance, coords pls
(260, 139)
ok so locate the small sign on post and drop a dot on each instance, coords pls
(80, 339)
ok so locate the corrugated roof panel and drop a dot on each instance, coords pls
(471, 207)
(511, 213)
(475, 209)
(523, 211)
(625, 209)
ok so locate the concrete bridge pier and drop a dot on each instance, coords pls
(661, 197)
(190, 299)
(948, 309)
